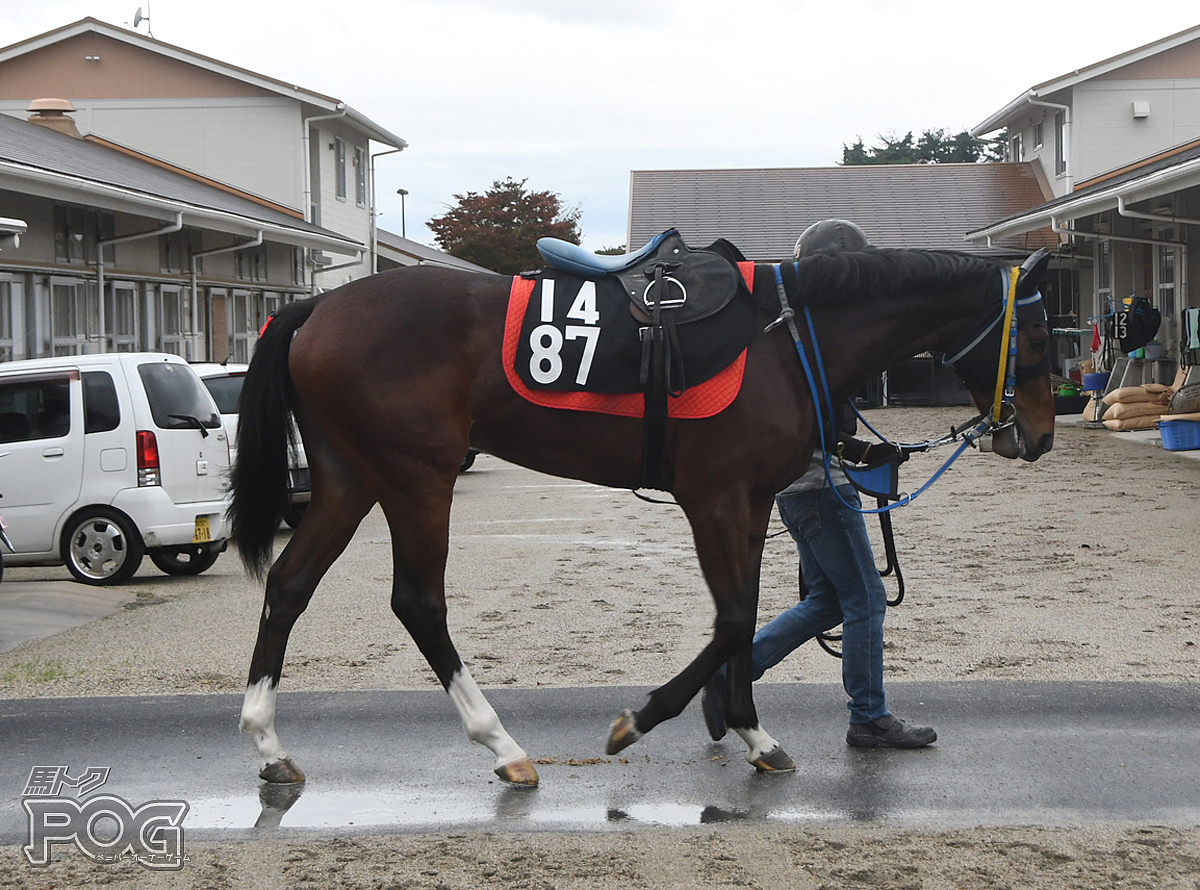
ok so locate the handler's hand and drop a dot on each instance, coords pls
(882, 453)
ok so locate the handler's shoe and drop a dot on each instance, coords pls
(712, 703)
(889, 732)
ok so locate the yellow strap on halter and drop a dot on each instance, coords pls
(1010, 305)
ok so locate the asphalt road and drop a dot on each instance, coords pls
(1008, 753)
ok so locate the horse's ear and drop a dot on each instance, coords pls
(1032, 271)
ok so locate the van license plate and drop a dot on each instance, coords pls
(202, 531)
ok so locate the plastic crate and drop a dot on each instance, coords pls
(1180, 435)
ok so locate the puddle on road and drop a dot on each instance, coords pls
(298, 807)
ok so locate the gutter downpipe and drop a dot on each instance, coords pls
(107, 242)
(339, 112)
(1066, 110)
(233, 248)
(374, 227)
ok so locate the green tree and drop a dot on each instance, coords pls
(932, 147)
(500, 228)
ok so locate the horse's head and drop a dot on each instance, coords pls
(1026, 427)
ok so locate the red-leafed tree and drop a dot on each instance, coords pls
(500, 228)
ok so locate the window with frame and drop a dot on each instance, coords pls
(174, 319)
(121, 317)
(1039, 130)
(360, 177)
(1016, 148)
(78, 232)
(175, 251)
(242, 327)
(1104, 274)
(74, 314)
(1164, 274)
(339, 147)
(6, 321)
(298, 269)
(251, 264)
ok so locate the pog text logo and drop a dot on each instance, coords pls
(103, 827)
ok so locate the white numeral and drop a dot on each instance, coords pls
(548, 300)
(545, 365)
(591, 335)
(584, 307)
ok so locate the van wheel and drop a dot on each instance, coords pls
(190, 559)
(100, 546)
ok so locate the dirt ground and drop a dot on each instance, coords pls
(1078, 567)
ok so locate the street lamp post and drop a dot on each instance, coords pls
(402, 193)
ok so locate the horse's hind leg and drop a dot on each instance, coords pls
(420, 542)
(329, 523)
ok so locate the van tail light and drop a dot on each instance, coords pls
(147, 459)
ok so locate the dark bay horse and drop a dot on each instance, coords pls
(392, 377)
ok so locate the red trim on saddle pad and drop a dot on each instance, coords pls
(703, 400)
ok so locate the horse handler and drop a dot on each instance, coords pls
(839, 573)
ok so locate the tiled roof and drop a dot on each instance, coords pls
(37, 148)
(763, 211)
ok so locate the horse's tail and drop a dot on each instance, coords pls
(260, 472)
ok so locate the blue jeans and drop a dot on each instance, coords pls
(844, 588)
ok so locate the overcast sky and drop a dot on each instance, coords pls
(574, 94)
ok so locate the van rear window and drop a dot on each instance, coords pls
(101, 411)
(177, 399)
(226, 391)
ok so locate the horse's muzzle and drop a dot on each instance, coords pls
(1011, 441)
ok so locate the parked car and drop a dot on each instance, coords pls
(224, 382)
(107, 458)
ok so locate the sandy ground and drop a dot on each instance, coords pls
(1078, 567)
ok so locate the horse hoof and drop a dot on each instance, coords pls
(282, 772)
(623, 733)
(774, 761)
(519, 772)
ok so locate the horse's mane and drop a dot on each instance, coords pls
(848, 276)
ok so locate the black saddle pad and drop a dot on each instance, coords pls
(580, 335)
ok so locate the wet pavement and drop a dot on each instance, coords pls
(1008, 753)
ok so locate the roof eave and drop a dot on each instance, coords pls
(60, 186)
(1153, 185)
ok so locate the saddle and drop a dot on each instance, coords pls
(664, 275)
(668, 285)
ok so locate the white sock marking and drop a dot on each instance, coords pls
(479, 719)
(258, 721)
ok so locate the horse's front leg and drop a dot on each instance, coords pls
(729, 533)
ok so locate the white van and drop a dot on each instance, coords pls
(105, 458)
(224, 384)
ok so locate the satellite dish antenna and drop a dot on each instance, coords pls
(138, 18)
